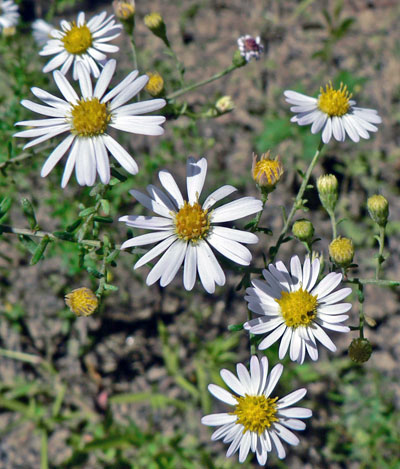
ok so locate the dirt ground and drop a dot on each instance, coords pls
(123, 342)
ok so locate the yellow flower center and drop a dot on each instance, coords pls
(78, 39)
(82, 301)
(155, 85)
(90, 118)
(192, 222)
(255, 413)
(298, 308)
(341, 251)
(334, 102)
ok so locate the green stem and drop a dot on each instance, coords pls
(361, 312)
(298, 201)
(44, 462)
(21, 157)
(372, 281)
(332, 216)
(264, 199)
(251, 336)
(380, 259)
(182, 91)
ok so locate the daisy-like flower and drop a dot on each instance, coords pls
(81, 42)
(250, 46)
(333, 113)
(257, 422)
(295, 309)
(41, 31)
(87, 118)
(186, 230)
(8, 14)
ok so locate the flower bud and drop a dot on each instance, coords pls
(266, 172)
(82, 301)
(378, 209)
(360, 350)
(238, 60)
(225, 104)
(124, 10)
(303, 230)
(155, 22)
(341, 251)
(327, 186)
(155, 85)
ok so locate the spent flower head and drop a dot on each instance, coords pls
(124, 10)
(360, 350)
(266, 171)
(341, 251)
(87, 119)
(80, 41)
(334, 113)
(250, 47)
(155, 85)
(378, 209)
(187, 230)
(225, 104)
(82, 301)
(295, 308)
(257, 422)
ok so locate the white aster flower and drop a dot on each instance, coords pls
(81, 42)
(87, 118)
(258, 422)
(294, 309)
(334, 113)
(188, 230)
(250, 46)
(8, 14)
(41, 31)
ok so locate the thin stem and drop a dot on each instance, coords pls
(134, 60)
(361, 311)
(251, 336)
(380, 259)
(182, 91)
(332, 216)
(264, 199)
(21, 157)
(373, 281)
(298, 201)
(44, 461)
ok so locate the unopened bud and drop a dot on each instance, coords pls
(360, 350)
(155, 22)
(267, 171)
(238, 60)
(225, 104)
(303, 230)
(378, 209)
(327, 186)
(155, 85)
(82, 301)
(341, 251)
(124, 10)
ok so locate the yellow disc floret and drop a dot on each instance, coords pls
(255, 413)
(298, 308)
(192, 222)
(155, 85)
(341, 251)
(90, 117)
(266, 171)
(78, 39)
(334, 102)
(82, 301)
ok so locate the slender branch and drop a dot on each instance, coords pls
(380, 259)
(44, 461)
(21, 157)
(298, 201)
(182, 91)
(332, 216)
(373, 281)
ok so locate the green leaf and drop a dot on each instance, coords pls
(63, 235)
(39, 251)
(87, 211)
(100, 219)
(29, 212)
(94, 272)
(108, 286)
(105, 206)
(235, 327)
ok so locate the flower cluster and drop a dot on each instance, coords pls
(295, 305)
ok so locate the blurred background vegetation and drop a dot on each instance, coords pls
(126, 387)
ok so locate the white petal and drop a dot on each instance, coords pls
(230, 249)
(151, 204)
(129, 92)
(327, 132)
(294, 424)
(273, 379)
(244, 377)
(190, 267)
(147, 223)
(65, 88)
(154, 252)
(147, 238)
(165, 262)
(210, 271)
(244, 447)
(320, 335)
(319, 123)
(105, 78)
(232, 381)
(255, 374)
(351, 131)
(120, 154)
(272, 338)
(222, 394)
(295, 346)
(141, 107)
(286, 434)
(295, 412)
(169, 184)
(235, 235)
(237, 209)
(56, 155)
(326, 285)
(291, 398)
(195, 176)
(84, 81)
(159, 196)
(69, 166)
(44, 110)
(120, 87)
(217, 195)
(285, 342)
(178, 252)
(55, 62)
(278, 445)
(218, 419)
(102, 162)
